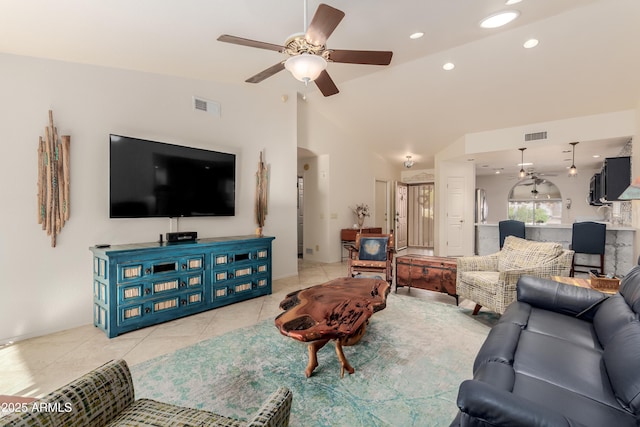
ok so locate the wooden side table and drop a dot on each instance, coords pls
(583, 283)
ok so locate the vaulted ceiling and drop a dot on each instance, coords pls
(587, 61)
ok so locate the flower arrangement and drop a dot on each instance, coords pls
(361, 211)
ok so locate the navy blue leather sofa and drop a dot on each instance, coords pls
(560, 355)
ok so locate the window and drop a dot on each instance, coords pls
(535, 201)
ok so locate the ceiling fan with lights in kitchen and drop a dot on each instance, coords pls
(307, 54)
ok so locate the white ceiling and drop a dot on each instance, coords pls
(587, 62)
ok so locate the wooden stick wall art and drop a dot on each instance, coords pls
(262, 178)
(53, 181)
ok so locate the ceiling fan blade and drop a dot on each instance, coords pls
(325, 20)
(366, 57)
(266, 73)
(251, 43)
(326, 84)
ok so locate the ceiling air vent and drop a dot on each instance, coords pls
(206, 105)
(535, 136)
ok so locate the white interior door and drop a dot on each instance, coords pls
(400, 231)
(455, 215)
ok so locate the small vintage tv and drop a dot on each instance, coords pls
(155, 179)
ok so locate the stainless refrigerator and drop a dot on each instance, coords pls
(482, 209)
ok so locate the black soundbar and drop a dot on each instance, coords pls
(182, 236)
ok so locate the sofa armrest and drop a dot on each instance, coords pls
(482, 404)
(559, 297)
(275, 411)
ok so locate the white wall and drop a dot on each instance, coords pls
(342, 175)
(587, 128)
(46, 289)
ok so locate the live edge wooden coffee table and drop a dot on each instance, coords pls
(337, 310)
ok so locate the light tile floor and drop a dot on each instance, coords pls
(37, 366)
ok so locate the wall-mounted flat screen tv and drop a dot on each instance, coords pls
(155, 179)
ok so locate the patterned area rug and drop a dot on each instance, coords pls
(408, 365)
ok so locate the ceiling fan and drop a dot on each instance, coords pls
(534, 175)
(307, 53)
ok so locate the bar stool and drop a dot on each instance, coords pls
(588, 238)
(510, 227)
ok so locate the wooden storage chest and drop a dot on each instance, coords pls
(427, 272)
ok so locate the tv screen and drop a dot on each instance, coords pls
(155, 179)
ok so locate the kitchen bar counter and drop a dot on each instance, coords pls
(618, 258)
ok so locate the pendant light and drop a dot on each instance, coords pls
(573, 171)
(522, 173)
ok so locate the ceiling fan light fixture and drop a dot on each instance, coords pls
(306, 67)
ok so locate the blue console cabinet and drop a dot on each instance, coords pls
(139, 285)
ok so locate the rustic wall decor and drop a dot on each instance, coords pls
(262, 178)
(53, 180)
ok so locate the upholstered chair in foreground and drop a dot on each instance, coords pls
(490, 280)
(105, 397)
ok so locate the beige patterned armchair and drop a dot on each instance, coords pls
(490, 280)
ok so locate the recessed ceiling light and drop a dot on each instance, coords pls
(416, 35)
(449, 66)
(510, 2)
(531, 43)
(499, 19)
(596, 156)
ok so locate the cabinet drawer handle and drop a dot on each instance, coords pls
(183, 302)
(147, 310)
(147, 291)
(230, 275)
(183, 284)
(147, 271)
(184, 266)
